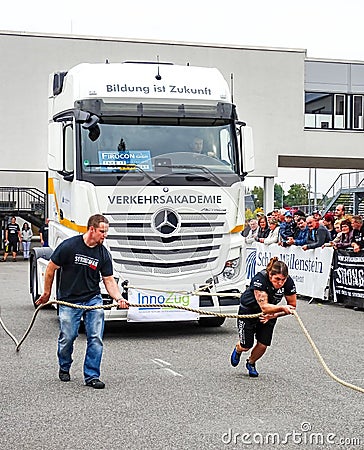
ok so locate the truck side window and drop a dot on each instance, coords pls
(225, 146)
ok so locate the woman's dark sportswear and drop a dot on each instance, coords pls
(260, 282)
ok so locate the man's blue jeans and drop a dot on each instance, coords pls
(69, 322)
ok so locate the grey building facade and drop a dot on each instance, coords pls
(304, 112)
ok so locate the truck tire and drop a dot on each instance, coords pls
(211, 321)
(41, 252)
(33, 278)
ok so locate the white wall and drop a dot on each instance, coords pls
(268, 89)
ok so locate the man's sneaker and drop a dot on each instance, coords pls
(235, 358)
(251, 369)
(64, 375)
(95, 383)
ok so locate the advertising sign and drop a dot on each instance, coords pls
(148, 311)
(348, 277)
(124, 160)
(309, 269)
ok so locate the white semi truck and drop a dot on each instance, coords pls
(157, 149)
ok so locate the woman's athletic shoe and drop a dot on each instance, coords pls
(235, 358)
(251, 369)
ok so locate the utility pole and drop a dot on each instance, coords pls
(282, 183)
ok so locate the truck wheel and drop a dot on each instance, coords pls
(36, 253)
(211, 321)
(34, 281)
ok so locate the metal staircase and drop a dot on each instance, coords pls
(347, 189)
(27, 203)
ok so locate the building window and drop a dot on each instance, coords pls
(357, 112)
(334, 111)
(318, 110)
(339, 112)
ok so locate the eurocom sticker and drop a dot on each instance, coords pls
(148, 310)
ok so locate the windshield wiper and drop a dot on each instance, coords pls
(204, 169)
(219, 180)
(154, 180)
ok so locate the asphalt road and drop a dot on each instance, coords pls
(172, 387)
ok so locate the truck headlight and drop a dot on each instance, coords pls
(231, 269)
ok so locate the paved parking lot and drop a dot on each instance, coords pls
(171, 386)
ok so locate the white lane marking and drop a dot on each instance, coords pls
(162, 364)
(176, 374)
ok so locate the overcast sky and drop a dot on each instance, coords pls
(326, 29)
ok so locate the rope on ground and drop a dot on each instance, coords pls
(7, 331)
(321, 360)
(199, 311)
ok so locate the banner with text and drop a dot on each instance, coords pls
(309, 269)
(348, 277)
(147, 313)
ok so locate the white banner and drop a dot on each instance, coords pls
(309, 269)
(143, 313)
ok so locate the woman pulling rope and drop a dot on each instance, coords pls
(266, 290)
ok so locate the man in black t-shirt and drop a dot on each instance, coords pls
(82, 260)
(12, 239)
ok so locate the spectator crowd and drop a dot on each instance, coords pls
(292, 227)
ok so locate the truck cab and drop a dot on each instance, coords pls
(157, 149)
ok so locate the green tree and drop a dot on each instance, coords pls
(278, 196)
(248, 214)
(297, 195)
(257, 193)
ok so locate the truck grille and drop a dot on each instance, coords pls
(190, 246)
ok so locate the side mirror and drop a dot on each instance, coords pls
(58, 138)
(246, 149)
(55, 146)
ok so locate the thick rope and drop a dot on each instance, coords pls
(320, 358)
(113, 305)
(7, 331)
(209, 313)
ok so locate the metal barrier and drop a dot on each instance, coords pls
(28, 203)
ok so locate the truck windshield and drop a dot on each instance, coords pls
(150, 148)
